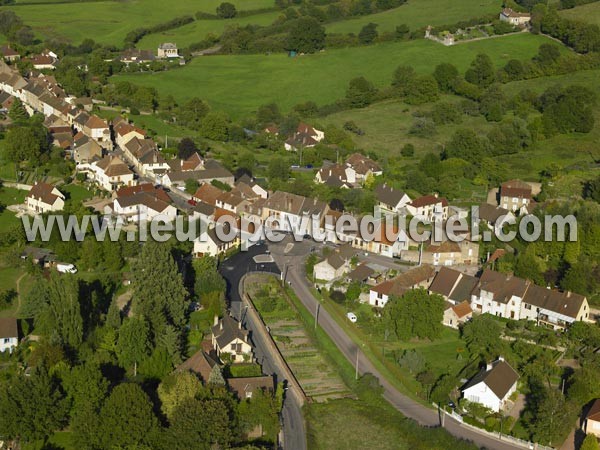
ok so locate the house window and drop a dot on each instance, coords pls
(6, 340)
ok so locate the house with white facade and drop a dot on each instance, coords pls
(230, 340)
(112, 173)
(291, 212)
(492, 386)
(44, 198)
(9, 334)
(429, 208)
(213, 241)
(418, 277)
(142, 202)
(363, 166)
(515, 18)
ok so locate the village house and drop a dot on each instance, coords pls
(456, 315)
(44, 198)
(212, 171)
(336, 264)
(87, 152)
(444, 253)
(209, 243)
(44, 61)
(247, 181)
(145, 157)
(386, 239)
(336, 175)
(207, 193)
(396, 287)
(591, 422)
(305, 136)
(293, 213)
(9, 54)
(245, 387)
(515, 298)
(391, 199)
(98, 130)
(517, 196)
(494, 216)
(43, 257)
(200, 363)
(429, 208)
(193, 162)
(363, 167)
(141, 202)
(111, 173)
(123, 132)
(454, 286)
(492, 386)
(136, 56)
(231, 201)
(167, 50)
(9, 334)
(230, 341)
(515, 18)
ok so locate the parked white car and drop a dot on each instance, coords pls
(352, 317)
(66, 268)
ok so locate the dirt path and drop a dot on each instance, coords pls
(18, 289)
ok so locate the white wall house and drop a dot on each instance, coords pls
(44, 198)
(229, 337)
(492, 386)
(9, 335)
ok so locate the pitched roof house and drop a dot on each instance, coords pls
(591, 423)
(492, 386)
(363, 166)
(455, 315)
(244, 387)
(44, 197)
(516, 195)
(454, 286)
(9, 54)
(396, 287)
(391, 199)
(514, 17)
(336, 175)
(9, 334)
(111, 173)
(199, 363)
(429, 208)
(228, 337)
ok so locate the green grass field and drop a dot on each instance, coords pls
(198, 30)
(589, 13)
(239, 84)
(420, 13)
(76, 193)
(108, 22)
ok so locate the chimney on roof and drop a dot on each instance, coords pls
(435, 194)
(221, 325)
(488, 366)
(568, 294)
(500, 358)
(216, 320)
(240, 324)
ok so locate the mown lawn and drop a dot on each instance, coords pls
(108, 22)
(239, 84)
(76, 193)
(420, 13)
(198, 30)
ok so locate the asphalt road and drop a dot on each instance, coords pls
(408, 407)
(233, 269)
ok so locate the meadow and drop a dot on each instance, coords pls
(199, 29)
(108, 22)
(419, 13)
(589, 13)
(239, 84)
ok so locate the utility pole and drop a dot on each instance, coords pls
(166, 141)
(317, 315)
(135, 369)
(356, 367)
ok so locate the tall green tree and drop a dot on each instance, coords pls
(133, 345)
(360, 92)
(306, 35)
(482, 335)
(481, 71)
(127, 417)
(159, 293)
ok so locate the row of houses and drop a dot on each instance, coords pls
(496, 293)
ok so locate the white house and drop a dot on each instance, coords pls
(492, 386)
(43, 198)
(418, 277)
(141, 206)
(363, 166)
(9, 335)
(514, 17)
(210, 243)
(229, 338)
(167, 50)
(336, 175)
(111, 173)
(429, 208)
(335, 265)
